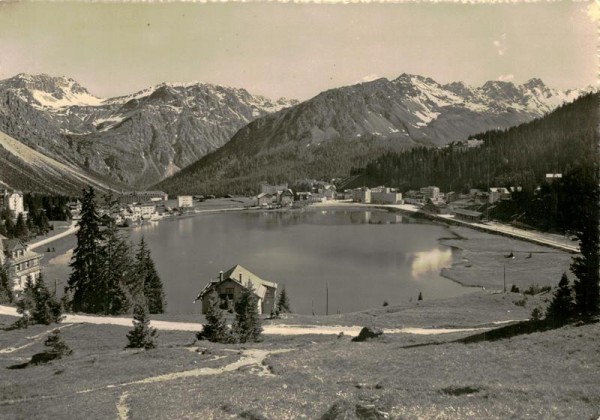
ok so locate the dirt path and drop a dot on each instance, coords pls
(34, 339)
(279, 329)
(72, 229)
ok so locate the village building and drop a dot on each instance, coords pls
(20, 262)
(439, 208)
(273, 190)
(498, 193)
(185, 201)
(361, 195)
(148, 211)
(414, 197)
(230, 285)
(303, 196)
(451, 196)
(13, 201)
(143, 196)
(431, 192)
(328, 192)
(386, 195)
(264, 200)
(285, 198)
(468, 215)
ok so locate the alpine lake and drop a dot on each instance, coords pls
(356, 259)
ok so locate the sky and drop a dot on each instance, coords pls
(298, 50)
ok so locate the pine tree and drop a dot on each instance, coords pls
(142, 335)
(247, 324)
(85, 260)
(115, 266)
(21, 230)
(283, 304)
(561, 308)
(586, 267)
(146, 285)
(6, 292)
(47, 309)
(26, 304)
(58, 348)
(216, 328)
(420, 297)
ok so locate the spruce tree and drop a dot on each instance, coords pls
(283, 304)
(247, 324)
(58, 348)
(46, 308)
(21, 230)
(561, 308)
(26, 303)
(147, 285)
(6, 292)
(115, 266)
(142, 335)
(215, 329)
(85, 261)
(586, 267)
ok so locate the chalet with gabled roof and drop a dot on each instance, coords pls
(230, 285)
(20, 262)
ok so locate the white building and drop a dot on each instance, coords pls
(385, 195)
(147, 211)
(13, 201)
(361, 195)
(433, 193)
(185, 201)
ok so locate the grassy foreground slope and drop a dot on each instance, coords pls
(555, 374)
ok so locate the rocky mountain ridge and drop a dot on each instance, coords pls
(345, 127)
(129, 141)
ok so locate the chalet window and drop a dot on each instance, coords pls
(18, 267)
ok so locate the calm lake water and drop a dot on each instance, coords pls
(366, 257)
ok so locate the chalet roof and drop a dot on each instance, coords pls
(242, 275)
(14, 244)
(261, 195)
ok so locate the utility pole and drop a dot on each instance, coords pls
(326, 298)
(504, 278)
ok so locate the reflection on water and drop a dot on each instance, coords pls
(366, 257)
(428, 261)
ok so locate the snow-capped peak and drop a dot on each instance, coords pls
(48, 92)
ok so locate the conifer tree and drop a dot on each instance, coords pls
(142, 335)
(216, 328)
(116, 266)
(85, 260)
(21, 230)
(283, 304)
(58, 348)
(247, 324)
(6, 292)
(26, 303)
(46, 308)
(586, 267)
(420, 297)
(147, 285)
(561, 308)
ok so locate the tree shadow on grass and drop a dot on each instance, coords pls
(520, 328)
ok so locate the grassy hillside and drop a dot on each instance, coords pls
(542, 375)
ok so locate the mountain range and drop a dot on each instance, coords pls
(125, 142)
(345, 128)
(197, 137)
